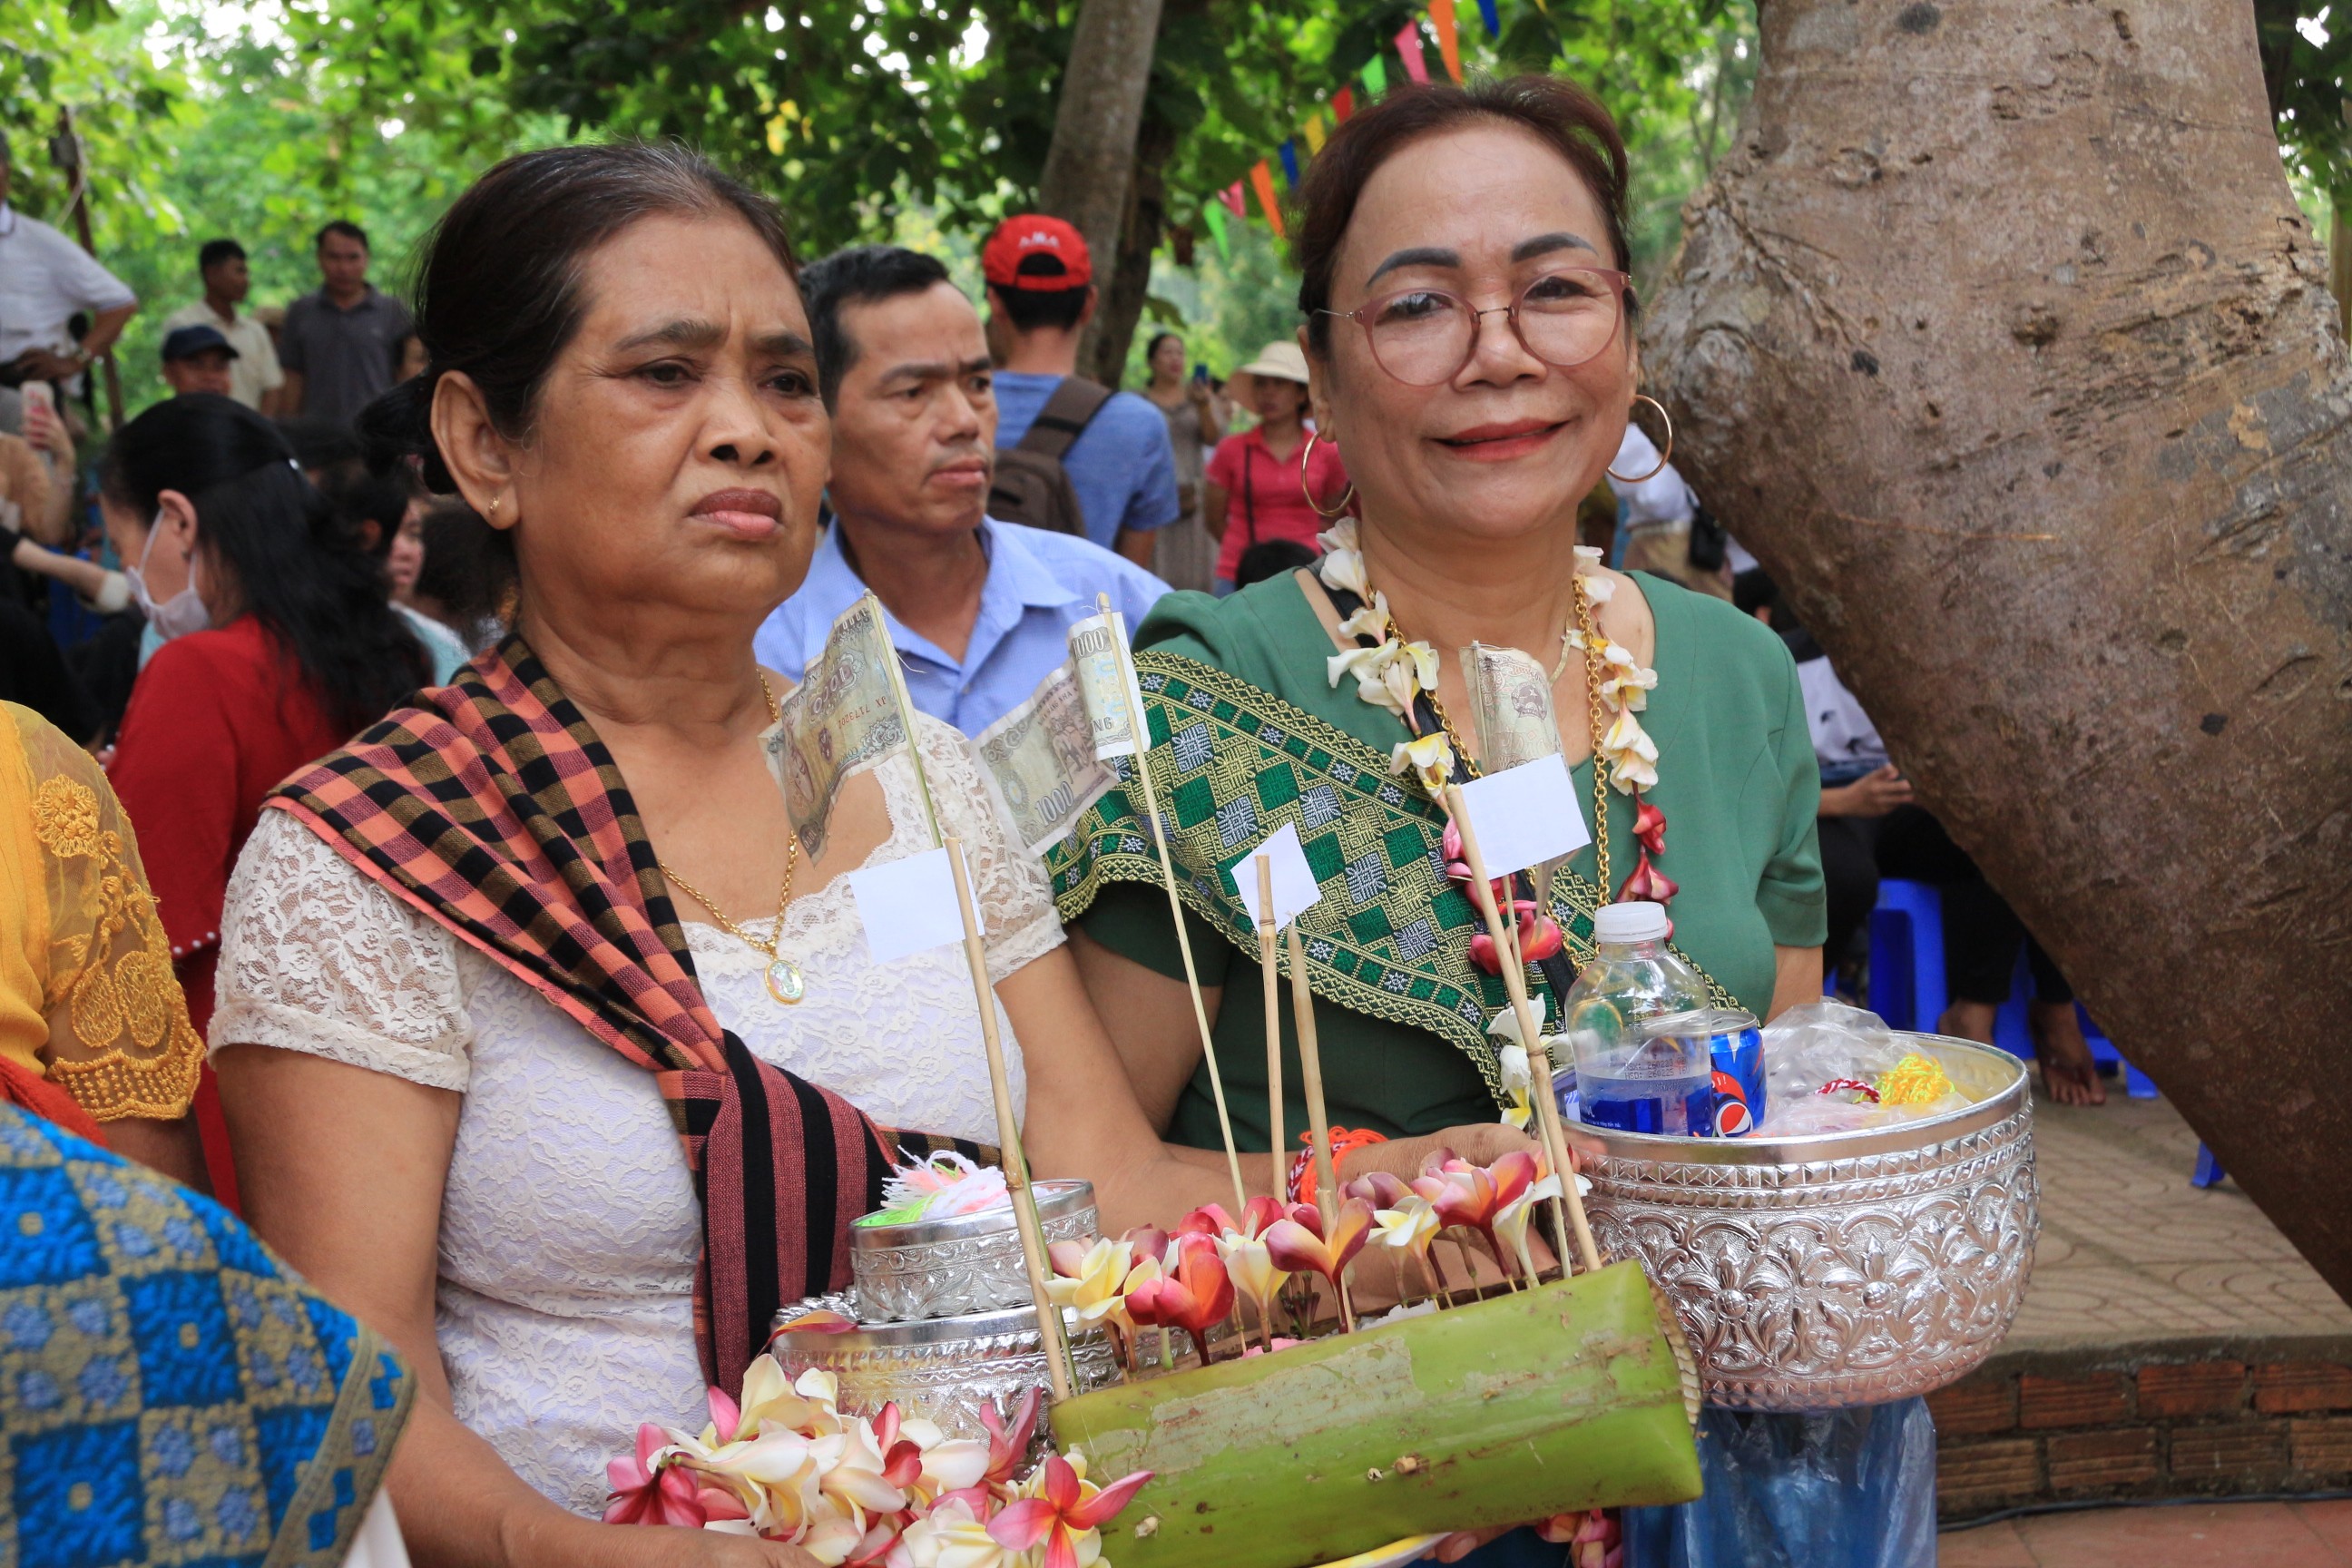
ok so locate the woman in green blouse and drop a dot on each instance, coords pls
(1470, 333)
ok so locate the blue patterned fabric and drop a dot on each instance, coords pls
(170, 1393)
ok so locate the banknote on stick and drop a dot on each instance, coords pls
(1040, 761)
(1113, 707)
(847, 711)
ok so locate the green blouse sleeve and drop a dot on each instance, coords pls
(1790, 893)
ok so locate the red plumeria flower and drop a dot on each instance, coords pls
(1299, 1247)
(1650, 826)
(1378, 1188)
(1065, 1514)
(1647, 884)
(1539, 937)
(646, 1492)
(1194, 1296)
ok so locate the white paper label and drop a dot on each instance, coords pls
(1525, 816)
(1294, 889)
(908, 906)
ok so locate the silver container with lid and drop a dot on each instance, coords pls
(959, 1265)
(1849, 1268)
(945, 1370)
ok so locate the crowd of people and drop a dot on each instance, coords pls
(390, 711)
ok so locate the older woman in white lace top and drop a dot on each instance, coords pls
(622, 386)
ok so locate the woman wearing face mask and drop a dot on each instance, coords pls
(277, 645)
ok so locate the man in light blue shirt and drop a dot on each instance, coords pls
(977, 608)
(1041, 295)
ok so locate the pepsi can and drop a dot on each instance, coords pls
(1736, 1041)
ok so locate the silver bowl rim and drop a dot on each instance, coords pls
(1056, 1199)
(910, 1332)
(1909, 1137)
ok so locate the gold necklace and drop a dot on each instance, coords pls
(786, 982)
(1583, 620)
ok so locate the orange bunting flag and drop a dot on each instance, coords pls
(1313, 132)
(1262, 182)
(1449, 45)
(1343, 104)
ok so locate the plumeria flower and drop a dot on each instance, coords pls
(1196, 1294)
(1371, 621)
(953, 1534)
(1303, 1248)
(1518, 1065)
(1430, 758)
(648, 1487)
(1252, 1268)
(1647, 884)
(1627, 685)
(1088, 1280)
(1539, 937)
(1631, 754)
(1649, 826)
(1412, 671)
(1597, 587)
(1378, 1188)
(1065, 1514)
(1408, 1228)
(1340, 535)
(1511, 1220)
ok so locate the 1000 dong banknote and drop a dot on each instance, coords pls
(1041, 760)
(1510, 700)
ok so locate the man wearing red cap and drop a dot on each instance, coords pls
(1041, 295)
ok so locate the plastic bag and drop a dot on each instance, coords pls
(1837, 1488)
(1816, 1043)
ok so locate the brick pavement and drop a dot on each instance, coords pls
(2190, 1535)
(2172, 1341)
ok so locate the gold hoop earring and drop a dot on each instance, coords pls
(1345, 500)
(1665, 457)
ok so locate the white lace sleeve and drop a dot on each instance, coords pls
(1017, 901)
(317, 958)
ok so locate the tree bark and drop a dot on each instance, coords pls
(2000, 339)
(1092, 156)
(1104, 356)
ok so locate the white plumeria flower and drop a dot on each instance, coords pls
(1631, 754)
(1094, 1293)
(1408, 1228)
(1340, 535)
(1371, 621)
(1511, 1221)
(1250, 1266)
(1345, 569)
(1628, 685)
(1365, 664)
(1430, 758)
(1410, 670)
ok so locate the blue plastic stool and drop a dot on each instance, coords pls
(1907, 984)
(2209, 1171)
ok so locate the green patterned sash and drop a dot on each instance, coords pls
(1390, 938)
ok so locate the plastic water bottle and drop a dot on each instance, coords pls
(1627, 1077)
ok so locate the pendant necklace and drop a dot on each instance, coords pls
(784, 980)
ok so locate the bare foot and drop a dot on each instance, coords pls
(1968, 1021)
(2069, 1075)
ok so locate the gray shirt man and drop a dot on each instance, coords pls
(345, 357)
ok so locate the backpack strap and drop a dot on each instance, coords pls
(1065, 417)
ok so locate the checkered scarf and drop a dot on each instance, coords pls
(494, 809)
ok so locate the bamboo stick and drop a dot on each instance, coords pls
(1176, 903)
(1318, 1119)
(1058, 1368)
(1270, 969)
(1515, 981)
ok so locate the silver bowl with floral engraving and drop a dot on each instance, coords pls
(963, 1264)
(1849, 1268)
(942, 1368)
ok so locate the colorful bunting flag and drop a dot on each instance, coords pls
(1288, 152)
(1408, 48)
(1376, 79)
(1449, 45)
(1313, 132)
(1213, 215)
(1493, 19)
(1343, 102)
(1232, 196)
(1262, 182)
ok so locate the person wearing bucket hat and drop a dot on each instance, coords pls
(1113, 445)
(1275, 480)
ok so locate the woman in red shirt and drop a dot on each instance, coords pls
(1256, 491)
(281, 645)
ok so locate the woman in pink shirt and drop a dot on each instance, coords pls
(1256, 491)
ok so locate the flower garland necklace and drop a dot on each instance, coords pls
(1397, 675)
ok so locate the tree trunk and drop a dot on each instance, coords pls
(2000, 340)
(1092, 155)
(1122, 306)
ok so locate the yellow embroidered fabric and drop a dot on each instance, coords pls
(87, 991)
